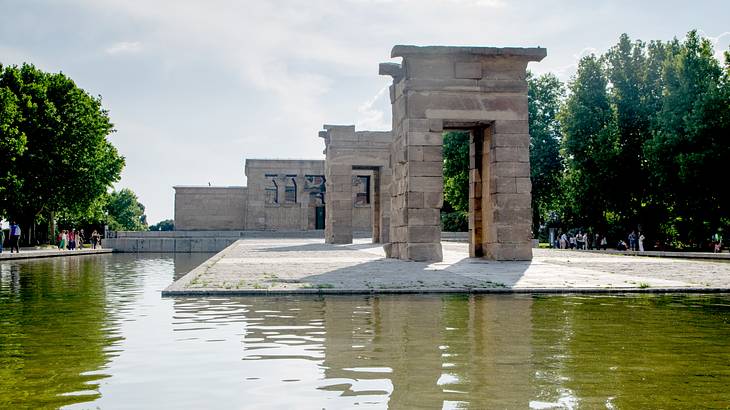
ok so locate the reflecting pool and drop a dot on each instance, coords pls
(93, 332)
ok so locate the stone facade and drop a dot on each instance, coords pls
(479, 89)
(210, 208)
(358, 176)
(283, 194)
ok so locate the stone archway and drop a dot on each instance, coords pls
(349, 155)
(482, 89)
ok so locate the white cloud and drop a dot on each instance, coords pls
(124, 47)
(372, 117)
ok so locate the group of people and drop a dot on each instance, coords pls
(580, 241)
(584, 241)
(73, 239)
(13, 238)
(636, 242)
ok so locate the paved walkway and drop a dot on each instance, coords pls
(26, 253)
(273, 266)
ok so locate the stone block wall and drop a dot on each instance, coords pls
(480, 89)
(261, 215)
(210, 208)
(349, 154)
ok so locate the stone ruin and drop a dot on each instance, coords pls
(482, 90)
(349, 155)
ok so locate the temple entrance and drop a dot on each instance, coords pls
(357, 172)
(319, 218)
(479, 89)
(479, 182)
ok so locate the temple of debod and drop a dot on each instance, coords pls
(390, 184)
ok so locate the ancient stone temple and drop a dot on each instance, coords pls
(477, 89)
(357, 171)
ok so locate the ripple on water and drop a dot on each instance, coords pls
(94, 332)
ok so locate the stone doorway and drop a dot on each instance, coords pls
(357, 174)
(480, 89)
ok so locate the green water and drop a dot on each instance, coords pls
(93, 332)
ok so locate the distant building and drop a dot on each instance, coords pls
(282, 195)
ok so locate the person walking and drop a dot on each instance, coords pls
(63, 241)
(642, 238)
(14, 237)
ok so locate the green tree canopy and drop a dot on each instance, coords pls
(125, 212)
(689, 151)
(544, 96)
(60, 160)
(164, 225)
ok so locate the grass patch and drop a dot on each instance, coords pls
(643, 285)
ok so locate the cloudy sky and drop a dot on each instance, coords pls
(194, 87)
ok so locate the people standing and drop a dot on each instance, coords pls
(14, 237)
(563, 241)
(632, 240)
(80, 239)
(94, 239)
(717, 241)
(642, 238)
(72, 239)
(604, 243)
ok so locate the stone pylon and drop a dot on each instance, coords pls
(482, 90)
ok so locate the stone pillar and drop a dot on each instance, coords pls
(481, 89)
(510, 230)
(350, 153)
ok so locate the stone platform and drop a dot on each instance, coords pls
(301, 266)
(26, 253)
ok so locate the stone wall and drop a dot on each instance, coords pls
(479, 89)
(210, 208)
(272, 204)
(351, 154)
(190, 241)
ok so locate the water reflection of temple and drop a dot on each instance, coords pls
(407, 351)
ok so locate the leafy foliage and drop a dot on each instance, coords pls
(165, 225)
(645, 141)
(54, 142)
(456, 182)
(544, 96)
(125, 212)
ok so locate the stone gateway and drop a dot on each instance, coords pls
(391, 183)
(482, 90)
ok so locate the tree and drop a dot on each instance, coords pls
(635, 94)
(591, 146)
(544, 96)
(164, 225)
(12, 140)
(689, 150)
(66, 163)
(455, 215)
(125, 212)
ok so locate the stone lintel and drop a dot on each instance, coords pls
(528, 53)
